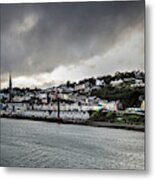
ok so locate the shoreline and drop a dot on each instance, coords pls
(117, 126)
(87, 123)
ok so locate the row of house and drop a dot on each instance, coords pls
(64, 98)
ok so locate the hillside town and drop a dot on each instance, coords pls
(73, 102)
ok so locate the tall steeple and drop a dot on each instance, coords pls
(10, 88)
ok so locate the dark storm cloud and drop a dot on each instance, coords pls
(37, 38)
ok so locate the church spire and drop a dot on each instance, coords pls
(10, 88)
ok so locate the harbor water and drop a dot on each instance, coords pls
(26, 143)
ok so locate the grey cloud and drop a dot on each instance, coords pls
(64, 33)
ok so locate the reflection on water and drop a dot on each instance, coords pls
(40, 144)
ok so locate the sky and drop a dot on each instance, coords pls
(43, 45)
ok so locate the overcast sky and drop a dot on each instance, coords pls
(47, 44)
